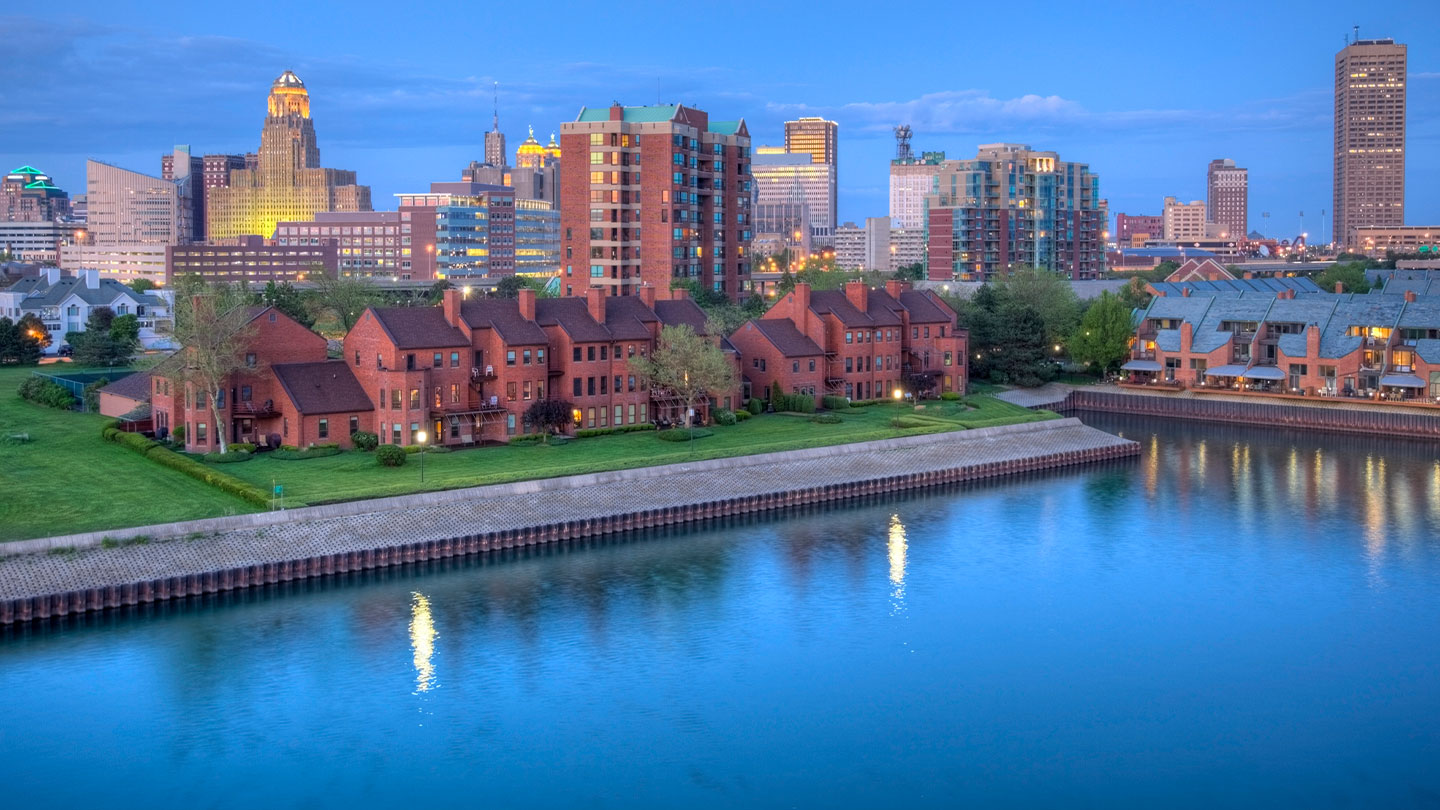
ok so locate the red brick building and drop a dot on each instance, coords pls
(668, 172)
(861, 343)
(287, 389)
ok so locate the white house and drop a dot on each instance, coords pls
(63, 303)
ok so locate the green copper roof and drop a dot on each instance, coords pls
(633, 115)
(724, 127)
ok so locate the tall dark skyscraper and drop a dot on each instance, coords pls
(1369, 136)
(1227, 197)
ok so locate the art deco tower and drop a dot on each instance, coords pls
(288, 182)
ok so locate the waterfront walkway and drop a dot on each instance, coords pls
(1052, 393)
(236, 543)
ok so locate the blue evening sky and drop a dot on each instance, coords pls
(1146, 93)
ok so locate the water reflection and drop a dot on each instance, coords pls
(422, 641)
(897, 546)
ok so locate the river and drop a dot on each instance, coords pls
(1239, 617)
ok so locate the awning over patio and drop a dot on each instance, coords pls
(1263, 373)
(1225, 371)
(1142, 365)
(1402, 381)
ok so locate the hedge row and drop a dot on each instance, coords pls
(46, 392)
(189, 466)
(793, 403)
(741, 416)
(291, 453)
(230, 457)
(587, 433)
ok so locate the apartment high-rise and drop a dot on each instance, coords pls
(1227, 197)
(287, 182)
(668, 173)
(1015, 206)
(819, 139)
(1369, 137)
(911, 181)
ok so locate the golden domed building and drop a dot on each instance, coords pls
(531, 155)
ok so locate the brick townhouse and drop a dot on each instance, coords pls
(287, 389)
(1383, 345)
(467, 371)
(857, 342)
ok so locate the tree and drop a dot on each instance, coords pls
(687, 365)
(1104, 334)
(141, 285)
(31, 339)
(1351, 274)
(108, 340)
(1133, 294)
(1046, 292)
(287, 299)
(911, 272)
(346, 296)
(125, 331)
(212, 327)
(550, 416)
(1019, 356)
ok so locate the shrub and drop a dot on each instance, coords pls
(46, 392)
(794, 403)
(364, 440)
(826, 419)
(240, 447)
(865, 403)
(526, 438)
(428, 448)
(741, 416)
(92, 394)
(177, 434)
(832, 402)
(226, 458)
(683, 435)
(590, 433)
(289, 453)
(724, 417)
(638, 426)
(755, 406)
(390, 455)
(950, 396)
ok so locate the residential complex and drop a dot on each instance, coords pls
(1012, 206)
(1227, 197)
(668, 172)
(1369, 137)
(287, 182)
(864, 248)
(63, 303)
(29, 195)
(859, 342)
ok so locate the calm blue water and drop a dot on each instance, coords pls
(1239, 618)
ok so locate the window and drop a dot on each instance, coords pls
(539, 357)
(437, 397)
(357, 359)
(525, 357)
(454, 359)
(510, 357)
(576, 387)
(590, 386)
(604, 417)
(526, 393)
(244, 393)
(643, 416)
(323, 429)
(576, 354)
(395, 403)
(354, 424)
(250, 357)
(454, 393)
(436, 361)
(414, 429)
(914, 333)
(604, 385)
(849, 337)
(631, 413)
(927, 331)
(395, 433)
(949, 358)
(630, 383)
(285, 427)
(812, 364)
(849, 365)
(220, 400)
(603, 350)
(795, 366)
(414, 399)
(510, 390)
(590, 418)
(200, 433)
(589, 352)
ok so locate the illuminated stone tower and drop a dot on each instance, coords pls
(287, 182)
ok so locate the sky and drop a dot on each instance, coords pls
(1145, 93)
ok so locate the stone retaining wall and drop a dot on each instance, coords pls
(1077, 445)
(1344, 420)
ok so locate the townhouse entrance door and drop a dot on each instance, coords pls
(243, 428)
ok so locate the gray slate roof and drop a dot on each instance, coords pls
(41, 293)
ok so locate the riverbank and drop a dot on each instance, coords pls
(82, 573)
(1252, 409)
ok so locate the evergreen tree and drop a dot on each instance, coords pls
(1020, 353)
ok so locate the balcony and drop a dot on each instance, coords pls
(256, 410)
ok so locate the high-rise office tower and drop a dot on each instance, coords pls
(667, 172)
(287, 182)
(1227, 197)
(1183, 220)
(130, 208)
(819, 139)
(785, 179)
(31, 196)
(1369, 136)
(495, 139)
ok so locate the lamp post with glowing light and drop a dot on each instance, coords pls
(898, 394)
(420, 438)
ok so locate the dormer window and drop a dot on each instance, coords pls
(249, 359)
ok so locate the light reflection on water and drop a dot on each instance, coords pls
(1238, 617)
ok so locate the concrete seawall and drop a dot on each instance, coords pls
(226, 554)
(1339, 417)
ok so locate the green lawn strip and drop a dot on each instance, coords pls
(67, 479)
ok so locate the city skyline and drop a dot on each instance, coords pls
(402, 121)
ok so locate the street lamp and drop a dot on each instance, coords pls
(420, 437)
(897, 394)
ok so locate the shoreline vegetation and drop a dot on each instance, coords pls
(67, 479)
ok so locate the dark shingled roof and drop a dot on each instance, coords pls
(324, 387)
(834, 301)
(791, 342)
(419, 327)
(924, 307)
(503, 315)
(627, 317)
(682, 310)
(572, 315)
(134, 386)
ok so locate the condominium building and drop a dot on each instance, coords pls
(1015, 206)
(287, 182)
(1369, 137)
(911, 181)
(1183, 221)
(820, 139)
(63, 303)
(668, 172)
(29, 195)
(1227, 197)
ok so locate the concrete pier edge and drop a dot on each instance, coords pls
(100, 597)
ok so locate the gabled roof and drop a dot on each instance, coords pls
(626, 317)
(503, 315)
(633, 115)
(783, 335)
(572, 315)
(132, 386)
(925, 307)
(678, 311)
(41, 293)
(834, 302)
(324, 387)
(418, 327)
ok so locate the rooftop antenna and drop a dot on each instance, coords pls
(1357, 33)
(495, 122)
(902, 143)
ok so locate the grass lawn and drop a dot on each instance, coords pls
(353, 475)
(67, 479)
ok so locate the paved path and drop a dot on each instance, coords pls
(1047, 394)
(304, 533)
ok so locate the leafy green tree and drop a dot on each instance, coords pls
(686, 364)
(550, 416)
(911, 272)
(287, 299)
(1351, 274)
(108, 340)
(125, 331)
(32, 339)
(1046, 292)
(346, 296)
(1133, 294)
(141, 285)
(1104, 334)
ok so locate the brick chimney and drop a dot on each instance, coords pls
(595, 302)
(857, 294)
(1409, 296)
(1248, 275)
(647, 295)
(526, 300)
(1339, 287)
(1312, 341)
(452, 301)
(1187, 336)
(1184, 292)
(617, 112)
(679, 293)
(895, 286)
